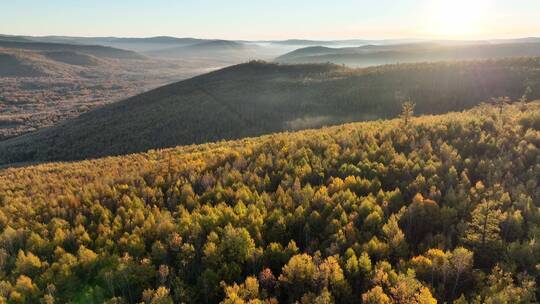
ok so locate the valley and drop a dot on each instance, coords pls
(51, 79)
(41, 87)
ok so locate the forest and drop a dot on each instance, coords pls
(258, 98)
(427, 209)
(370, 55)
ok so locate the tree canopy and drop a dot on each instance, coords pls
(446, 210)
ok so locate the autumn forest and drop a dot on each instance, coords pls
(412, 210)
(269, 152)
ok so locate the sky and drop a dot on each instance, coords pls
(274, 19)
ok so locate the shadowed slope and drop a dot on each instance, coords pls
(258, 98)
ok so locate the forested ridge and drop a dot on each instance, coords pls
(369, 55)
(411, 210)
(259, 98)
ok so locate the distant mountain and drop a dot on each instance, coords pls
(517, 40)
(298, 42)
(95, 50)
(337, 43)
(311, 51)
(258, 98)
(416, 52)
(146, 44)
(132, 44)
(173, 47)
(218, 45)
(14, 38)
(223, 50)
(158, 39)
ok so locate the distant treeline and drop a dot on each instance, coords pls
(96, 50)
(370, 55)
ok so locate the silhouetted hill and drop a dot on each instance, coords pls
(417, 52)
(258, 98)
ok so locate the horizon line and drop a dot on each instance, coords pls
(442, 38)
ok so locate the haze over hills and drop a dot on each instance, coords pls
(216, 50)
(44, 83)
(178, 58)
(173, 47)
(95, 50)
(415, 52)
(259, 98)
(48, 79)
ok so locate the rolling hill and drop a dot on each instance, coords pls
(95, 50)
(415, 52)
(225, 51)
(41, 84)
(13, 66)
(258, 98)
(34, 63)
(142, 44)
(442, 209)
(72, 58)
(356, 52)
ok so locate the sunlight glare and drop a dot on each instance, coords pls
(458, 18)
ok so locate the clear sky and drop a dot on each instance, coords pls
(273, 19)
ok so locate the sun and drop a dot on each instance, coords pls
(457, 18)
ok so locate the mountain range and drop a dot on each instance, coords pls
(368, 55)
(173, 47)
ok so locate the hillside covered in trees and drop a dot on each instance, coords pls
(411, 210)
(369, 55)
(259, 98)
(94, 50)
(41, 87)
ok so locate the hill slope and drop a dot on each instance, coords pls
(258, 98)
(95, 50)
(40, 87)
(440, 208)
(13, 66)
(217, 50)
(72, 58)
(417, 52)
